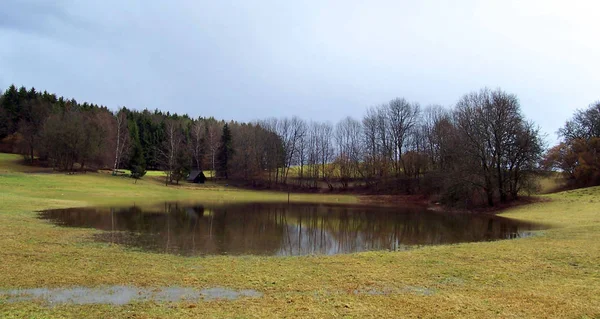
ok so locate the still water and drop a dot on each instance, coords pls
(283, 229)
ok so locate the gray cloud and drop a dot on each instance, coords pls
(322, 60)
(30, 16)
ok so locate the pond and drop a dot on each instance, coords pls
(283, 229)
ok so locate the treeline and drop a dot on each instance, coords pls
(482, 150)
(77, 136)
(58, 129)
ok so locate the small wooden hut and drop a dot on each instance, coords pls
(197, 177)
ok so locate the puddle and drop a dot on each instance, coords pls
(121, 295)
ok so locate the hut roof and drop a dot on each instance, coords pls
(193, 175)
(196, 176)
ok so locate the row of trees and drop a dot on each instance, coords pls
(482, 149)
(69, 135)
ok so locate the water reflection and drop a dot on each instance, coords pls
(282, 229)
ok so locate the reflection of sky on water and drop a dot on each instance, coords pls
(282, 229)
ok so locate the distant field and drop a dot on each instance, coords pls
(553, 274)
(10, 163)
(551, 183)
(208, 174)
(548, 183)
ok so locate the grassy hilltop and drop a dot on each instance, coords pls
(553, 274)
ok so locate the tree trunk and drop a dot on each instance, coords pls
(490, 197)
(501, 189)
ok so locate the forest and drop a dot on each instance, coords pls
(480, 151)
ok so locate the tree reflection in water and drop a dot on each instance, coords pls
(283, 229)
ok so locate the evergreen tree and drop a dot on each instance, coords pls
(182, 166)
(224, 153)
(136, 164)
(9, 111)
(3, 119)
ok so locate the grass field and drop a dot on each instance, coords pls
(555, 274)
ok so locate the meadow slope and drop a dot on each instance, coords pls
(555, 274)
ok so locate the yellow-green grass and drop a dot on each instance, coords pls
(547, 183)
(551, 182)
(553, 274)
(333, 170)
(159, 173)
(10, 163)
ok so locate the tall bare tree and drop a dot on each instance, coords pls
(197, 142)
(348, 137)
(403, 117)
(171, 150)
(33, 115)
(585, 124)
(492, 132)
(213, 138)
(121, 138)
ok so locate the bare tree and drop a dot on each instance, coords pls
(312, 157)
(383, 146)
(171, 149)
(371, 143)
(213, 137)
(319, 153)
(34, 113)
(585, 124)
(348, 133)
(197, 142)
(522, 156)
(324, 135)
(436, 128)
(121, 139)
(494, 134)
(403, 117)
(295, 130)
(76, 137)
(577, 154)
(471, 124)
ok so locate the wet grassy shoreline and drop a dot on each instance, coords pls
(553, 274)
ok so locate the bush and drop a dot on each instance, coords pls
(137, 171)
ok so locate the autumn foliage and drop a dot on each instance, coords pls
(578, 155)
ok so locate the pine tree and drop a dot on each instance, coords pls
(9, 111)
(224, 153)
(136, 164)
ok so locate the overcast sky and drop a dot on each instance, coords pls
(321, 60)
